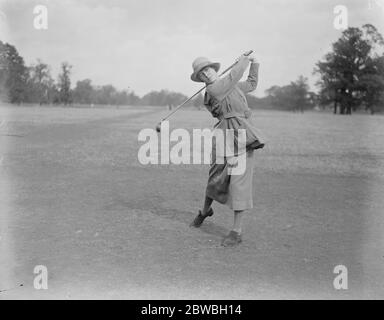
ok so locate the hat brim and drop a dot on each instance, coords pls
(194, 75)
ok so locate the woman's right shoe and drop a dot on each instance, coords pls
(197, 222)
(232, 239)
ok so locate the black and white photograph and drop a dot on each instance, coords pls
(191, 150)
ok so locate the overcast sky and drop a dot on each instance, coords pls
(150, 45)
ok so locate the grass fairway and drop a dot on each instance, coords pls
(75, 198)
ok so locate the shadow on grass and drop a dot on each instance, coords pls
(185, 217)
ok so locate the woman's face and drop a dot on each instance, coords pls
(208, 75)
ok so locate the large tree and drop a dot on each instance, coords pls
(13, 74)
(350, 75)
(372, 85)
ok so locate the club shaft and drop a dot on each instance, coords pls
(190, 98)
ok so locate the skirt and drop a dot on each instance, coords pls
(235, 191)
(240, 195)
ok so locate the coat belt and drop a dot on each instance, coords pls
(246, 114)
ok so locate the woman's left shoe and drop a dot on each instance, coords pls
(197, 222)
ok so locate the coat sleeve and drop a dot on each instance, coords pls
(212, 105)
(251, 83)
(221, 87)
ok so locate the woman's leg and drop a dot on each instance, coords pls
(207, 205)
(234, 236)
(240, 200)
(199, 219)
(237, 221)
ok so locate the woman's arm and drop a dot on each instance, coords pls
(212, 105)
(251, 83)
(221, 87)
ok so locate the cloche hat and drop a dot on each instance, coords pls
(199, 64)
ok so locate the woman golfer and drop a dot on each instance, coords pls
(225, 99)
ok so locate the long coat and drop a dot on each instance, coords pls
(225, 99)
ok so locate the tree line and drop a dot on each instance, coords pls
(351, 77)
(34, 84)
(292, 97)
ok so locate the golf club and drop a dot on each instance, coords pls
(158, 127)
